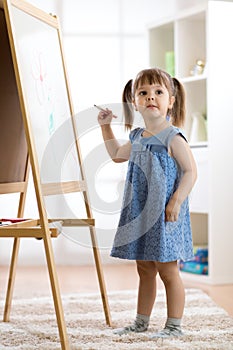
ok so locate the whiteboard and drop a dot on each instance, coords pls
(43, 82)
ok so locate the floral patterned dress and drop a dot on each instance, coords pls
(152, 177)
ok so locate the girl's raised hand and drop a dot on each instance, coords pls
(105, 116)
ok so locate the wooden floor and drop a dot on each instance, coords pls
(32, 281)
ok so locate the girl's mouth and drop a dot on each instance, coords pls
(151, 106)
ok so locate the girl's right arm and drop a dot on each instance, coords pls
(118, 153)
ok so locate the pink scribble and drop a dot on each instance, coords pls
(39, 73)
(43, 89)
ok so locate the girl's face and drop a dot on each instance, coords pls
(153, 100)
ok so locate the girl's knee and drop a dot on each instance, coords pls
(166, 277)
(147, 268)
(168, 271)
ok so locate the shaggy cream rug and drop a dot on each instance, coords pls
(33, 324)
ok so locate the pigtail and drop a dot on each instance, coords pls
(178, 110)
(127, 100)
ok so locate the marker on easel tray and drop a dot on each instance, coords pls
(5, 223)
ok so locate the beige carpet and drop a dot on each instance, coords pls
(33, 324)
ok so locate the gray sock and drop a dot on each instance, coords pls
(173, 322)
(142, 321)
(172, 329)
(140, 324)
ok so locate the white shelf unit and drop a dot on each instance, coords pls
(203, 33)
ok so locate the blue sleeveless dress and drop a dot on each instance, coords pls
(152, 177)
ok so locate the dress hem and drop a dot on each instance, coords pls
(152, 259)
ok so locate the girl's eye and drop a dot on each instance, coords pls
(159, 92)
(142, 93)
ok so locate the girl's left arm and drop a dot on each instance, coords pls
(181, 152)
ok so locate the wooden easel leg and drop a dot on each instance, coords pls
(56, 293)
(99, 270)
(15, 251)
(11, 280)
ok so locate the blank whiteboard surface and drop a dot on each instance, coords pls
(46, 96)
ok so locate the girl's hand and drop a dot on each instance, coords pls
(105, 117)
(172, 210)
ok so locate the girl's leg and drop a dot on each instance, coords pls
(169, 273)
(175, 294)
(147, 271)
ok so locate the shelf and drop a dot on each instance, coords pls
(162, 38)
(190, 43)
(197, 34)
(196, 102)
(193, 78)
(192, 277)
(200, 144)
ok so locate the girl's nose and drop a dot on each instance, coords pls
(150, 98)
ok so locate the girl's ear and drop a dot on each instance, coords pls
(172, 100)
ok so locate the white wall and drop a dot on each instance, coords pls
(105, 45)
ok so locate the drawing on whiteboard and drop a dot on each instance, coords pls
(39, 73)
(43, 89)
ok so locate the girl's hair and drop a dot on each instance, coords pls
(155, 76)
